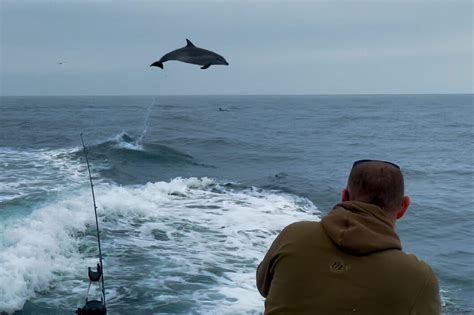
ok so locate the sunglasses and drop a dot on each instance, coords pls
(365, 161)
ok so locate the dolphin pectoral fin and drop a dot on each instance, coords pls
(205, 67)
(157, 64)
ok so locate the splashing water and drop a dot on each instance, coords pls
(139, 141)
(190, 245)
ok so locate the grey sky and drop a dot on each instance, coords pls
(273, 47)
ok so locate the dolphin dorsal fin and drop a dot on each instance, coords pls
(189, 44)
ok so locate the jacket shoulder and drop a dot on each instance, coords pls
(419, 279)
(301, 228)
(413, 262)
(303, 224)
(427, 299)
(402, 263)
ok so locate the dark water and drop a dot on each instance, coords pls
(190, 196)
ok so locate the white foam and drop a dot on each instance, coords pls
(27, 172)
(207, 224)
(192, 234)
(35, 249)
(130, 146)
(122, 144)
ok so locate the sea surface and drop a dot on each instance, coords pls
(191, 191)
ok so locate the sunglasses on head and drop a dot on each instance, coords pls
(365, 161)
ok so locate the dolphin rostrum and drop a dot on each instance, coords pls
(194, 55)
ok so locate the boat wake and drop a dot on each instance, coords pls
(187, 245)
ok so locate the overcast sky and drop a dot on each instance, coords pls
(273, 47)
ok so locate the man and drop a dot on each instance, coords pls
(351, 262)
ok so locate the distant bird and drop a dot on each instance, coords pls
(194, 55)
(61, 63)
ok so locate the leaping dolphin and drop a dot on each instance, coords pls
(194, 55)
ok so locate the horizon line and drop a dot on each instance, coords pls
(278, 94)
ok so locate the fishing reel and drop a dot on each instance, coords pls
(94, 306)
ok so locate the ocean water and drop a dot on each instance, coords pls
(190, 197)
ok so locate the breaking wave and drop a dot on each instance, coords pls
(187, 245)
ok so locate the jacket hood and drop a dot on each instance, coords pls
(360, 228)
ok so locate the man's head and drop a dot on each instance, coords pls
(380, 183)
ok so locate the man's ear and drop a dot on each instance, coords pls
(404, 207)
(345, 195)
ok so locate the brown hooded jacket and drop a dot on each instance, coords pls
(349, 263)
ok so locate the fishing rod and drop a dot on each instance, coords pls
(94, 306)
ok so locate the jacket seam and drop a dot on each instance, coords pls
(346, 223)
(419, 294)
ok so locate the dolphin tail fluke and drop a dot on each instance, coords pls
(158, 64)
